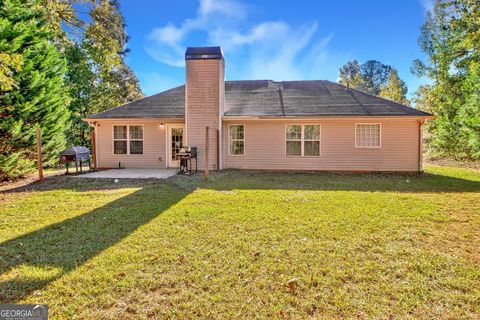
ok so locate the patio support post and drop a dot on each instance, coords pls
(218, 151)
(420, 145)
(206, 153)
(94, 149)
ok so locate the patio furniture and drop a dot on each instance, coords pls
(185, 156)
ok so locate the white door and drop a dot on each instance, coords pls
(176, 138)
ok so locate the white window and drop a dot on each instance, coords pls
(128, 139)
(135, 137)
(236, 139)
(120, 139)
(302, 140)
(367, 135)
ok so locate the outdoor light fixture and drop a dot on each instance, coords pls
(162, 125)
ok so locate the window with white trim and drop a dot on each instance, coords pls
(128, 139)
(367, 135)
(236, 133)
(302, 140)
(135, 137)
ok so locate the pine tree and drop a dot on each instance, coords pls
(368, 77)
(395, 89)
(38, 97)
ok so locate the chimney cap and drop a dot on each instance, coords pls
(203, 53)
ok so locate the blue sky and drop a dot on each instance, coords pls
(279, 40)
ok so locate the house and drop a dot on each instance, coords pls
(260, 124)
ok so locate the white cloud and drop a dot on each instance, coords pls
(268, 49)
(427, 4)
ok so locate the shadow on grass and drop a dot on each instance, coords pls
(405, 183)
(59, 248)
(250, 179)
(79, 184)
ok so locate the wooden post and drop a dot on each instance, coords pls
(206, 153)
(218, 150)
(94, 148)
(39, 155)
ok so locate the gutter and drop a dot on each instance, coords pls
(333, 117)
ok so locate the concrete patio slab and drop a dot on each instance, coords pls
(131, 174)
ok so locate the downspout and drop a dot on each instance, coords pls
(420, 145)
(94, 144)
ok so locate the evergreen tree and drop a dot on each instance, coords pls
(375, 75)
(368, 77)
(38, 97)
(395, 89)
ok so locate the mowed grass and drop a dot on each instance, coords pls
(246, 245)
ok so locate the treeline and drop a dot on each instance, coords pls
(450, 37)
(375, 78)
(59, 62)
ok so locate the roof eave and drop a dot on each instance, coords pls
(331, 117)
(133, 118)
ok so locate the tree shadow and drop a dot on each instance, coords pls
(61, 247)
(374, 182)
(79, 184)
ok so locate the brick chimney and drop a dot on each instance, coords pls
(204, 99)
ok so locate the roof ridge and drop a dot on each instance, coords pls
(280, 96)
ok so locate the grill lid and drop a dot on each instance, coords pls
(73, 151)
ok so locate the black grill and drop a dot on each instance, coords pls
(78, 155)
(185, 156)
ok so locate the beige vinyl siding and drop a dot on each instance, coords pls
(203, 98)
(154, 144)
(265, 146)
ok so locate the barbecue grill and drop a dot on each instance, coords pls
(185, 156)
(78, 155)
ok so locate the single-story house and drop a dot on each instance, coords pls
(260, 124)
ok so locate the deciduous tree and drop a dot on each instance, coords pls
(451, 39)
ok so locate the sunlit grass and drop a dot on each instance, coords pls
(247, 245)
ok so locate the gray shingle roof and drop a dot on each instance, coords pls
(166, 104)
(265, 98)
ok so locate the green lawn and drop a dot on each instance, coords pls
(246, 245)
